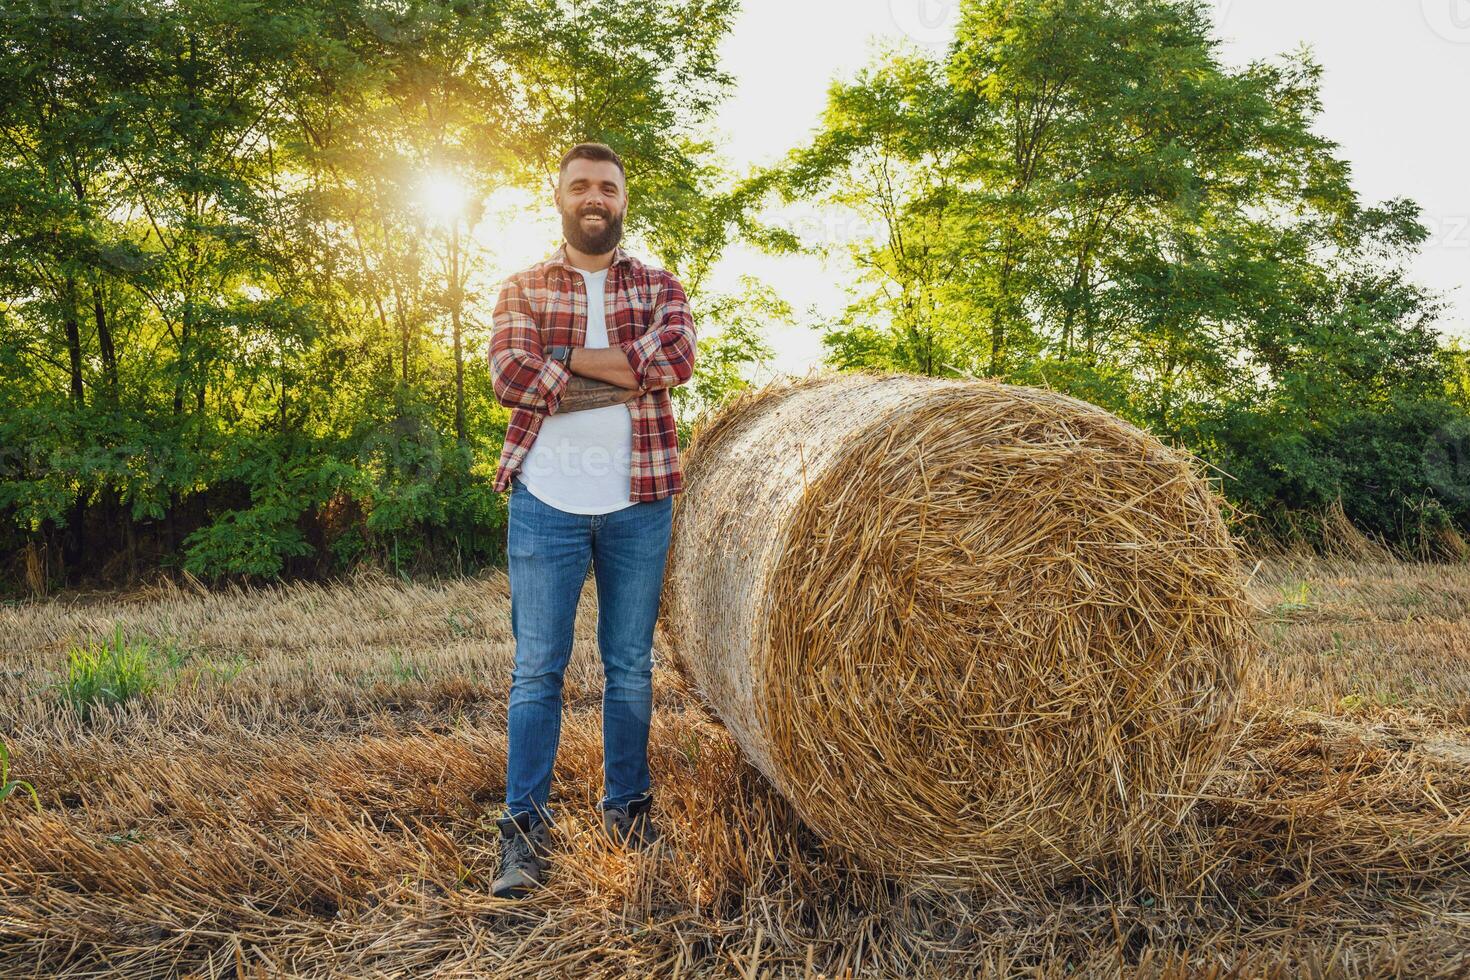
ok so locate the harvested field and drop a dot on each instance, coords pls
(305, 793)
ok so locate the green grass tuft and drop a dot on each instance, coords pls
(8, 786)
(114, 671)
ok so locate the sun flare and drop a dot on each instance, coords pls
(443, 197)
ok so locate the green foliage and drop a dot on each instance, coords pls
(1398, 469)
(286, 483)
(9, 786)
(731, 346)
(231, 339)
(1082, 195)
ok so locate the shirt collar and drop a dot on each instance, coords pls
(620, 256)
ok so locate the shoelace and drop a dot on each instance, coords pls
(518, 850)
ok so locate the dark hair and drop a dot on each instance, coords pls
(592, 151)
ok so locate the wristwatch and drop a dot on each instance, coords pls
(561, 352)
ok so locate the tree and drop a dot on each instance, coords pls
(1081, 194)
(222, 305)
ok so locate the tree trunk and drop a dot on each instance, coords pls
(104, 342)
(456, 299)
(74, 342)
(73, 541)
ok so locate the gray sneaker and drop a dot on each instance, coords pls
(631, 825)
(525, 853)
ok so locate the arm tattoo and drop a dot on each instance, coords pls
(584, 393)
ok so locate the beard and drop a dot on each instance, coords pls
(592, 241)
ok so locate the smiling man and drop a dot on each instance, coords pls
(584, 349)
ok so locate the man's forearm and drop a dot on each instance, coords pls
(608, 364)
(584, 393)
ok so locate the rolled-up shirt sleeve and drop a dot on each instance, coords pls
(664, 355)
(520, 373)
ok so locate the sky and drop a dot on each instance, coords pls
(1396, 74)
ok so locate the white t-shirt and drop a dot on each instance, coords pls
(581, 462)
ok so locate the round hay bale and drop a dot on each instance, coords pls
(971, 631)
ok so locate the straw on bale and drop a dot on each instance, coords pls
(971, 631)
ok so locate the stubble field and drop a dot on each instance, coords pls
(308, 791)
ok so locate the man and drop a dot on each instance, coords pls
(584, 348)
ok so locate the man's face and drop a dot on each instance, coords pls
(592, 200)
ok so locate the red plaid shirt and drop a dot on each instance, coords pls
(647, 316)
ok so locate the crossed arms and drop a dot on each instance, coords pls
(523, 377)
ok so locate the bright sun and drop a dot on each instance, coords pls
(443, 197)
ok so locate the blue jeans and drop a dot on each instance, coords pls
(549, 553)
